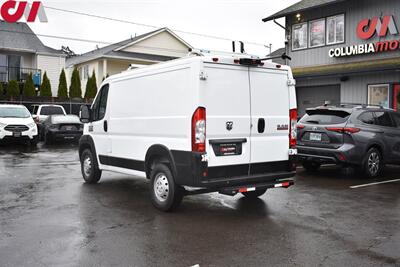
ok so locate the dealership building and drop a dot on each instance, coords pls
(343, 51)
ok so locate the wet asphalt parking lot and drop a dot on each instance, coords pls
(49, 217)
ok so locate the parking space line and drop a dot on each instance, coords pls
(377, 183)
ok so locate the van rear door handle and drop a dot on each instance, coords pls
(105, 126)
(261, 125)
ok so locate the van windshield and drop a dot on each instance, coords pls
(320, 116)
(14, 112)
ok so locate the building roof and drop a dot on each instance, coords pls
(113, 50)
(300, 6)
(20, 37)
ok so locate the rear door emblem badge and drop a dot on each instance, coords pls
(229, 125)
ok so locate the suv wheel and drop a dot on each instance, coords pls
(90, 172)
(311, 166)
(373, 163)
(165, 194)
(254, 194)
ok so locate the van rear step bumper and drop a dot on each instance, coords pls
(233, 190)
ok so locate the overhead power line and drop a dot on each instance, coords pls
(149, 26)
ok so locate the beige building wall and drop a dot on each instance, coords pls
(163, 44)
(53, 66)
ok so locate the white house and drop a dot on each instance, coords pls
(22, 52)
(149, 48)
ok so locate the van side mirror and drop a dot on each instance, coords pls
(84, 114)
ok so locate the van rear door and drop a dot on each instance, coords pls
(269, 115)
(227, 100)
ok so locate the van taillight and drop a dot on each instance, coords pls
(293, 128)
(199, 130)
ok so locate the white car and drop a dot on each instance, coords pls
(16, 124)
(206, 123)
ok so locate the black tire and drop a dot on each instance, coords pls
(373, 163)
(34, 141)
(311, 166)
(90, 171)
(165, 194)
(48, 140)
(254, 194)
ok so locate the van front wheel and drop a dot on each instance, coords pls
(90, 172)
(165, 194)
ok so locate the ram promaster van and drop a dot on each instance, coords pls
(199, 124)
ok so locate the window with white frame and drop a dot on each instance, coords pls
(378, 94)
(299, 36)
(317, 33)
(335, 29)
(85, 72)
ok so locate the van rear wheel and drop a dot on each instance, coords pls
(90, 172)
(254, 194)
(165, 194)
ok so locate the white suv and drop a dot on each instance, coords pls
(195, 125)
(16, 124)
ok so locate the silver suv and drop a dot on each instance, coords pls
(366, 137)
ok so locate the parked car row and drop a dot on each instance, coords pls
(48, 123)
(359, 136)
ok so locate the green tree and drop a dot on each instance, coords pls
(91, 86)
(75, 89)
(29, 87)
(1, 89)
(62, 86)
(12, 88)
(45, 89)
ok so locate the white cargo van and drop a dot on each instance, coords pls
(195, 125)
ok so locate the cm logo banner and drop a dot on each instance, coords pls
(13, 11)
(367, 28)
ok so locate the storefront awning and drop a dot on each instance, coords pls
(347, 68)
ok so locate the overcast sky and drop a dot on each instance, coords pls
(239, 20)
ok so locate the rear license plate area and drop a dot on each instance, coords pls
(227, 149)
(315, 137)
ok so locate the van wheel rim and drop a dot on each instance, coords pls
(87, 166)
(161, 187)
(373, 163)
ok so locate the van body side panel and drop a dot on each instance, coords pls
(225, 94)
(269, 115)
(152, 108)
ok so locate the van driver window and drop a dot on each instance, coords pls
(100, 104)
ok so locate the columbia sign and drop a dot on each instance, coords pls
(366, 29)
(13, 11)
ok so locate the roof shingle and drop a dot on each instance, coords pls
(20, 37)
(300, 6)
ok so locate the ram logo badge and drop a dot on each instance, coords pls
(282, 127)
(229, 125)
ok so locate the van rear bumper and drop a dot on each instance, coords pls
(192, 170)
(256, 180)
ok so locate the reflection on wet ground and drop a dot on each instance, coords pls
(49, 217)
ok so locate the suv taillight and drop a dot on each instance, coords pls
(293, 128)
(199, 130)
(349, 130)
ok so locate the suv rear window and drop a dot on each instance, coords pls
(367, 117)
(321, 116)
(383, 119)
(51, 111)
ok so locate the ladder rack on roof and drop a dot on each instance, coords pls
(204, 52)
